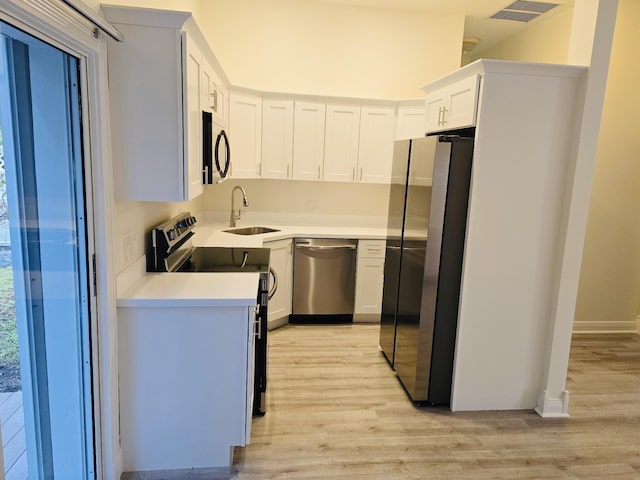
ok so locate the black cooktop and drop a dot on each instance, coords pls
(227, 259)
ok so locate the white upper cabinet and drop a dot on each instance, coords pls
(410, 122)
(156, 110)
(375, 152)
(341, 143)
(245, 135)
(193, 117)
(308, 140)
(277, 138)
(453, 106)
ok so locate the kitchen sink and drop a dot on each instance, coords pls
(251, 230)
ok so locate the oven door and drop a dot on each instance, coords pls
(216, 154)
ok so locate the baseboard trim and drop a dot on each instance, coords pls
(549, 407)
(607, 327)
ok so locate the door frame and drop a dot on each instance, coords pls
(64, 29)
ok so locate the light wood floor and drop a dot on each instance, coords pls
(336, 411)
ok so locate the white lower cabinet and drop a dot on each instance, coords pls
(281, 261)
(369, 281)
(185, 385)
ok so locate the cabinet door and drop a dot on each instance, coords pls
(369, 281)
(193, 118)
(410, 122)
(434, 105)
(462, 103)
(245, 127)
(308, 140)
(280, 260)
(375, 152)
(277, 138)
(453, 106)
(341, 143)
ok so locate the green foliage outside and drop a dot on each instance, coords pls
(8, 333)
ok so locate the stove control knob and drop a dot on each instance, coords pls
(191, 221)
(172, 234)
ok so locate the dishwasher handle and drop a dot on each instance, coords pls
(315, 248)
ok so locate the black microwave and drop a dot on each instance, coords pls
(216, 154)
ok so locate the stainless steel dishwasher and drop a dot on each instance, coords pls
(324, 278)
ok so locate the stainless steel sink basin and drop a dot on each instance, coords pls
(251, 230)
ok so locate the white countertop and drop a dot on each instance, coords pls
(138, 288)
(192, 290)
(211, 235)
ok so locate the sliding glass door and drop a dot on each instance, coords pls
(40, 113)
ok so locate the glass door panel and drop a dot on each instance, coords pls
(45, 192)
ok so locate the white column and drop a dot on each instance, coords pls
(590, 44)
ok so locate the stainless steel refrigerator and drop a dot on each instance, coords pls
(423, 265)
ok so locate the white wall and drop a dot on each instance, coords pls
(300, 46)
(609, 294)
(547, 41)
(300, 197)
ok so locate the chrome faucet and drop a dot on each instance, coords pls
(245, 203)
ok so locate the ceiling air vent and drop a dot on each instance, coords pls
(522, 11)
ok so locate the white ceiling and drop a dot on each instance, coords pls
(477, 13)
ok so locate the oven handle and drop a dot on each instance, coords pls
(274, 287)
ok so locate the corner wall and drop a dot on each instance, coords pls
(609, 292)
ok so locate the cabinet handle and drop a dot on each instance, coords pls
(260, 169)
(444, 115)
(318, 172)
(258, 327)
(214, 101)
(353, 174)
(440, 116)
(287, 170)
(360, 173)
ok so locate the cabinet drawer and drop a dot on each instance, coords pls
(371, 248)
